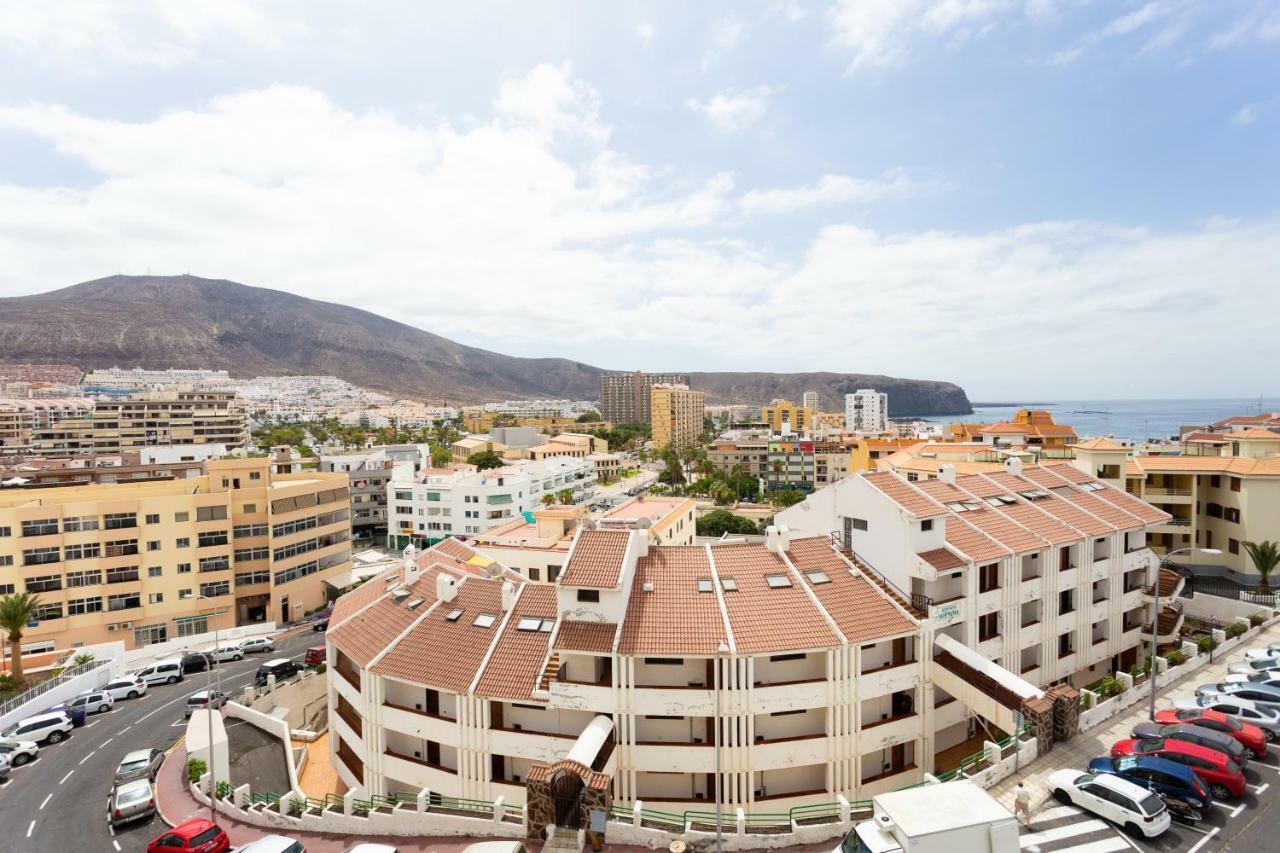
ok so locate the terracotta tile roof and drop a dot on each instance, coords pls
(1100, 444)
(578, 636)
(1069, 513)
(941, 492)
(443, 654)
(1040, 523)
(1045, 477)
(980, 486)
(596, 560)
(674, 618)
(1013, 536)
(1003, 428)
(363, 595)
(365, 635)
(1102, 509)
(1069, 473)
(968, 540)
(454, 548)
(942, 559)
(1135, 506)
(516, 664)
(861, 611)
(765, 619)
(905, 494)
(1238, 465)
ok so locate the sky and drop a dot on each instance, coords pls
(1032, 198)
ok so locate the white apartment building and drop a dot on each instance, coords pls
(866, 410)
(437, 503)
(810, 402)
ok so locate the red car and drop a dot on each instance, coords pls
(1220, 773)
(1249, 736)
(195, 836)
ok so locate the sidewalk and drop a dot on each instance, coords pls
(1085, 746)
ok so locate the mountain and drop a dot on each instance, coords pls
(190, 322)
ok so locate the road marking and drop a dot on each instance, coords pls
(31, 829)
(68, 776)
(46, 801)
(1263, 788)
(1238, 809)
(1062, 832)
(126, 728)
(1256, 788)
(111, 826)
(105, 742)
(91, 725)
(1203, 841)
(87, 757)
(116, 843)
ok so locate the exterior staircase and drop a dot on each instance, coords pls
(563, 840)
(917, 606)
(550, 672)
(1169, 622)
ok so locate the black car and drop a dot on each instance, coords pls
(196, 662)
(281, 668)
(321, 624)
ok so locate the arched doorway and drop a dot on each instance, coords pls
(566, 793)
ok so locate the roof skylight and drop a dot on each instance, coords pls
(817, 576)
(728, 584)
(529, 623)
(778, 581)
(705, 585)
(453, 615)
(484, 620)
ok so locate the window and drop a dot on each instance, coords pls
(44, 583)
(155, 598)
(75, 579)
(249, 508)
(1231, 514)
(215, 589)
(6, 531)
(182, 542)
(250, 578)
(255, 475)
(535, 574)
(155, 571)
(1213, 510)
(1235, 484)
(214, 564)
(184, 594)
(85, 551)
(78, 523)
(183, 568)
(988, 577)
(49, 611)
(705, 585)
(121, 548)
(484, 620)
(153, 518)
(6, 560)
(40, 527)
(181, 516)
(124, 601)
(242, 530)
(252, 554)
(988, 626)
(728, 584)
(817, 576)
(777, 581)
(190, 628)
(858, 523)
(453, 615)
(664, 661)
(77, 606)
(1215, 481)
(927, 524)
(529, 623)
(211, 539)
(119, 520)
(123, 574)
(153, 545)
(786, 657)
(41, 556)
(589, 595)
(145, 635)
(1066, 602)
(1233, 546)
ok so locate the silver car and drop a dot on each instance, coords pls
(211, 699)
(1263, 695)
(139, 764)
(131, 801)
(1240, 710)
(19, 752)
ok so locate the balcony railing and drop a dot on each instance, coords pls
(885, 775)
(415, 760)
(420, 712)
(887, 720)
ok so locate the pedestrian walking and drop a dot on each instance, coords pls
(1022, 804)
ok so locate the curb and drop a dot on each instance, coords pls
(159, 809)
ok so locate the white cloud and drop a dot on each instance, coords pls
(1246, 115)
(84, 35)
(731, 111)
(832, 190)
(879, 32)
(646, 32)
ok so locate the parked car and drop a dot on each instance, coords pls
(1263, 695)
(1249, 736)
(139, 764)
(96, 702)
(131, 801)
(495, 847)
(48, 727)
(195, 836)
(162, 672)
(1112, 798)
(212, 699)
(315, 656)
(1247, 667)
(196, 662)
(1264, 653)
(368, 847)
(19, 752)
(5, 768)
(321, 625)
(272, 844)
(1191, 733)
(1240, 710)
(1223, 776)
(77, 715)
(281, 668)
(222, 654)
(1183, 792)
(1262, 676)
(258, 644)
(130, 687)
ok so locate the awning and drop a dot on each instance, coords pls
(342, 580)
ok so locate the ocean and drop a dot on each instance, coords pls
(1134, 420)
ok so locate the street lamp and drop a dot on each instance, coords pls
(208, 707)
(1155, 615)
(721, 649)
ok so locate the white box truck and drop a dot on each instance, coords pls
(949, 817)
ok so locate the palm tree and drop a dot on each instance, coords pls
(1265, 556)
(16, 611)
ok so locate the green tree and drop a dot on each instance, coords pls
(592, 417)
(16, 611)
(548, 499)
(565, 496)
(1265, 556)
(440, 456)
(673, 473)
(484, 460)
(787, 497)
(720, 521)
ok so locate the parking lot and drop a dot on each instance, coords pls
(1245, 823)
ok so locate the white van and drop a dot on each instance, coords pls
(162, 672)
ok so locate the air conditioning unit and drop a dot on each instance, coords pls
(125, 626)
(111, 628)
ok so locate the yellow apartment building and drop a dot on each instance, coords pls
(676, 414)
(147, 419)
(784, 410)
(149, 562)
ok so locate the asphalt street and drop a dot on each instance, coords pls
(59, 801)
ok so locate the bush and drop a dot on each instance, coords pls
(1176, 658)
(223, 790)
(1256, 619)
(320, 668)
(1235, 629)
(195, 769)
(1206, 644)
(82, 659)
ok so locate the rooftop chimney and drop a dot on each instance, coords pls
(446, 587)
(410, 564)
(947, 473)
(508, 596)
(777, 538)
(1013, 465)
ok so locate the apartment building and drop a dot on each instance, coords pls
(156, 561)
(866, 410)
(537, 547)
(21, 418)
(147, 419)
(741, 452)
(368, 474)
(784, 417)
(676, 415)
(131, 467)
(466, 683)
(439, 503)
(625, 397)
(810, 400)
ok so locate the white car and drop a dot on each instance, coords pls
(1266, 676)
(1123, 803)
(162, 672)
(19, 752)
(97, 702)
(271, 844)
(258, 644)
(1261, 654)
(367, 847)
(129, 687)
(222, 654)
(50, 727)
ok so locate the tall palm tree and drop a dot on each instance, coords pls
(1265, 556)
(15, 612)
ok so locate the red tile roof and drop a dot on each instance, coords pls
(365, 635)
(361, 596)
(1133, 505)
(516, 664)
(673, 619)
(1013, 536)
(596, 559)
(971, 542)
(862, 612)
(905, 495)
(1040, 523)
(578, 636)
(942, 559)
(764, 619)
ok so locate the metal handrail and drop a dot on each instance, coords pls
(918, 600)
(50, 683)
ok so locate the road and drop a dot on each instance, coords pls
(59, 801)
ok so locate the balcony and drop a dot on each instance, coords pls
(889, 780)
(947, 612)
(789, 696)
(789, 752)
(650, 757)
(420, 762)
(420, 724)
(882, 734)
(1167, 495)
(888, 679)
